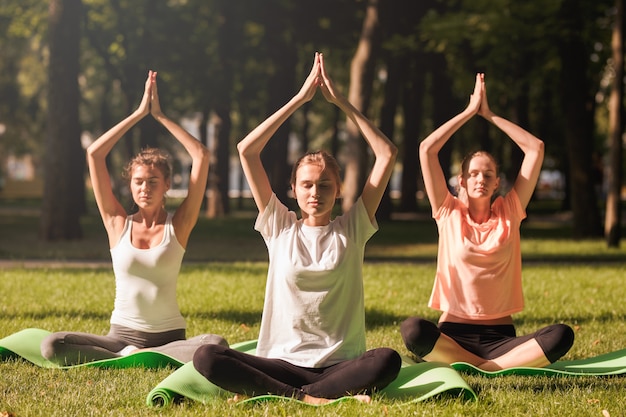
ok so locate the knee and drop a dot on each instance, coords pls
(50, 346)
(419, 335)
(392, 362)
(389, 359)
(213, 339)
(556, 341)
(384, 364)
(206, 357)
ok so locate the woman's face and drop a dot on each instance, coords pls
(481, 179)
(148, 186)
(315, 190)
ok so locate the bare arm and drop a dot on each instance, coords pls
(250, 147)
(384, 150)
(532, 147)
(187, 213)
(432, 173)
(111, 210)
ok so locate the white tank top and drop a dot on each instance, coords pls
(145, 282)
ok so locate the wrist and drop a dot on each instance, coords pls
(159, 115)
(139, 114)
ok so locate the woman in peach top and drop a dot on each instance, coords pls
(478, 285)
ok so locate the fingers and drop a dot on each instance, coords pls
(153, 78)
(315, 71)
(322, 67)
(326, 83)
(480, 82)
(312, 81)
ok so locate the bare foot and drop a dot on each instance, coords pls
(363, 398)
(321, 401)
(315, 400)
(236, 398)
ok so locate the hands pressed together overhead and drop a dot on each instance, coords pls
(318, 78)
(478, 103)
(150, 103)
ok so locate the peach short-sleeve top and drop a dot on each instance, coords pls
(479, 266)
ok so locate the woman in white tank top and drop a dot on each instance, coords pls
(147, 247)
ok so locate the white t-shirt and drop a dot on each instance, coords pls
(145, 282)
(314, 313)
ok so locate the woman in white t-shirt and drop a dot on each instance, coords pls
(478, 285)
(147, 248)
(312, 339)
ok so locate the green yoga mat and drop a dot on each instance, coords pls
(25, 344)
(613, 363)
(415, 382)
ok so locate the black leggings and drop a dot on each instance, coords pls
(487, 342)
(251, 375)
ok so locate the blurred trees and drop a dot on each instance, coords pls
(64, 160)
(613, 216)
(229, 65)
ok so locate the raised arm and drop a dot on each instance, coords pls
(186, 215)
(532, 147)
(111, 210)
(384, 150)
(432, 173)
(251, 146)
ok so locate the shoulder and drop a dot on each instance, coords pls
(510, 205)
(450, 204)
(275, 217)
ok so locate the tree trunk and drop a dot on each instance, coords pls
(387, 120)
(444, 106)
(282, 55)
(612, 220)
(64, 160)
(218, 204)
(578, 104)
(360, 91)
(227, 36)
(412, 105)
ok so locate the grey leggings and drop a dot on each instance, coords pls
(72, 348)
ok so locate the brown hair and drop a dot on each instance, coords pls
(468, 158)
(321, 158)
(154, 157)
(465, 169)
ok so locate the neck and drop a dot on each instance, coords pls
(151, 217)
(315, 221)
(480, 210)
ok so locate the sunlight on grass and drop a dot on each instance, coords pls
(227, 298)
(221, 290)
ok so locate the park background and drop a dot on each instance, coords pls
(71, 69)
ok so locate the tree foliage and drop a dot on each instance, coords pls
(237, 62)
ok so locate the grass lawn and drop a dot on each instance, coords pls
(221, 291)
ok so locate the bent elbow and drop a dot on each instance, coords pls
(393, 152)
(90, 152)
(205, 153)
(540, 147)
(425, 150)
(241, 148)
(245, 150)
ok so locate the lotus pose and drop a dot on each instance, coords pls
(478, 284)
(312, 339)
(147, 248)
